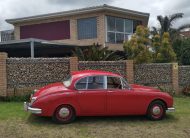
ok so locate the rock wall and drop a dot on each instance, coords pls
(184, 75)
(118, 67)
(27, 72)
(153, 74)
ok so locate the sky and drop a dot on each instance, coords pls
(22, 8)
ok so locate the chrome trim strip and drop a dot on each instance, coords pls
(31, 110)
(171, 109)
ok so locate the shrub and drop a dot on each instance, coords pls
(15, 98)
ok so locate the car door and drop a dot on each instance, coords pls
(120, 98)
(92, 95)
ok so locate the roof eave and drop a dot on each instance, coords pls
(73, 12)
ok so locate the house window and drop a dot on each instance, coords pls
(87, 28)
(118, 29)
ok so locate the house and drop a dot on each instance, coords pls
(106, 25)
(185, 34)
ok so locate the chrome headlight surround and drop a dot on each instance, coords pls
(33, 99)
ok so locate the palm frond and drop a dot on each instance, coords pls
(175, 17)
(154, 31)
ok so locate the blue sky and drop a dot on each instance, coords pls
(22, 8)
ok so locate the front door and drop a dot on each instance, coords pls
(119, 98)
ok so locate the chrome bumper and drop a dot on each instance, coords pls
(171, 109)
(30, 109)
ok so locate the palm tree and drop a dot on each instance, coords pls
(96, 53)
(166, 25)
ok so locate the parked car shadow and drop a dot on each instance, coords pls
(37, 120)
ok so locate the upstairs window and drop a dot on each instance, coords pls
(87, 28)
(118, 29)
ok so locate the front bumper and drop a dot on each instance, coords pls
(171, 109)
(30, 109)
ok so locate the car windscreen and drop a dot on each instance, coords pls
(67, 81)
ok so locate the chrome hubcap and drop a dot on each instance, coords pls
(64, 112)
(156, 110)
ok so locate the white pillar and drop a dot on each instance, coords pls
(32, 49)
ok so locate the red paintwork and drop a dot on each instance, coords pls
(47, 31)
(98, 102)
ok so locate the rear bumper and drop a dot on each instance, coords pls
(30, 109)
(171, 109)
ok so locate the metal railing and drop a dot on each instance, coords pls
(7, 35)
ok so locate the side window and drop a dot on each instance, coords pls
(95, 82)
(81, 84)
(125, 84)
(114, 83)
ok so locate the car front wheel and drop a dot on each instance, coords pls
(156, 110)
(64, 114)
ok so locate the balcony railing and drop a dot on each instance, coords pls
(7, 35)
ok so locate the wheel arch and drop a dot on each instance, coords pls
(158, 99)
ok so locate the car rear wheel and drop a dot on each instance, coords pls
(64, 114)
(156, 110)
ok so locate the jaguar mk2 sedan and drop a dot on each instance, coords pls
(98, 93)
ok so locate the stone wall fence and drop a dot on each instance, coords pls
(21, 75)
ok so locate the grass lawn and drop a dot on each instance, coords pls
(14, 122)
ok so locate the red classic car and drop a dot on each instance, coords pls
(98, 93)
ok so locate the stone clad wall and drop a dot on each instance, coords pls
(184, 75)
(118, 67)
(21, 74)
(153, 74)
(27, 72)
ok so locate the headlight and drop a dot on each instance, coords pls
(32, 100)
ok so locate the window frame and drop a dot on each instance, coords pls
(78, 33)
(86, 89)
(115, 30)
(114, 88)
(105, 85)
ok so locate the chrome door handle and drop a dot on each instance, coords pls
(80, 92)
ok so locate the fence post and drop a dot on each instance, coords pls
(3, 75)
(130, 71)
(175, 83)
(73, 64)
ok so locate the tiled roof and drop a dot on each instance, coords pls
(185, 33)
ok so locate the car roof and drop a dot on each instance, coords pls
(93, 72)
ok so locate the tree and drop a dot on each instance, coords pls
(165, 53)
(156, 45)
(143, 49)
(182, 50)
(137, 48)
(166, 25)
(96, 53)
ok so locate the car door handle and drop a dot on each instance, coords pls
(110, 91)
